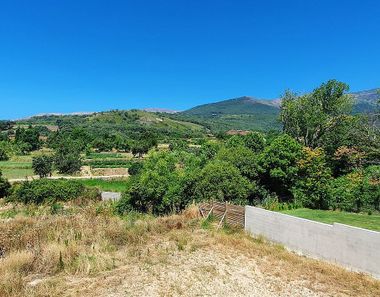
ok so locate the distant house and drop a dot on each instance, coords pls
(238, 132)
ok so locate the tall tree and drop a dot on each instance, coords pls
(42, 165)
(309, 117)
(67, 157)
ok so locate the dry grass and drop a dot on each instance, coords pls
(87, 251)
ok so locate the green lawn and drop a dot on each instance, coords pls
(366, 221)
(119, 185)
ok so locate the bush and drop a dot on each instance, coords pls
(357, 191)
(241, 157)
(135, 168)
(47, 191)
(254, 141)
(222, 181)
(312, 188)
(4, 186)
(164, 185)
(3, 155)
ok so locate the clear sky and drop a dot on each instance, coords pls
(73, 55)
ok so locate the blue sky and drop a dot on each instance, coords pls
(66, 56)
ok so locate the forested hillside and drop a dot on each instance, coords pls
(248, 113)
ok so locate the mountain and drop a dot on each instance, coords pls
(365, 101)
(245, 113)
(126, 122)
(249, 113)
(160, 110)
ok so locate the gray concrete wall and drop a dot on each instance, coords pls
(110, 196)
(354, 248)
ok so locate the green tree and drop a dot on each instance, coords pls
(254, 141)
(42, 165)
(309, 117)
(241, 157)
(3, 155)
(279, 165)
(235, 140)
(28, 138)
(67, 158)
(178, 144)
(135, 168)
(4, 186)
(357, 191)
(163, 185)
(220, 180)
(312, 187)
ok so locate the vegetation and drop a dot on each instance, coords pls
(4, 186)
(67, 158)
(48, 191)
(44, 248)
(243, 113)
(327, 157)
(112, 185)
(3, 155)
(42, 165)
(267, 169)
(366, 221)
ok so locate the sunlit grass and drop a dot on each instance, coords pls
(366, 221)
(114, 185)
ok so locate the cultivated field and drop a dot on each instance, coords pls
(85, 250)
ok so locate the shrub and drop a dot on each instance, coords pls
(3, 155)
(222, 181)
(135, 168)
(357, 191)
(164, 185)
(312, 188)
(4, 186)
(254, 141)
(47, 191)
(241, 157)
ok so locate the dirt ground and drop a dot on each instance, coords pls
(88, 252)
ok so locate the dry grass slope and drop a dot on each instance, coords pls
(87, 251)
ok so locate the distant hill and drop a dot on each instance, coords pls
(243, 113)
(239, 113)
(160, 110)
(126, 122)
(365, 101)
(257, 114)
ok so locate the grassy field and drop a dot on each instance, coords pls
(366, 221)
(115, 185)
(17, 168)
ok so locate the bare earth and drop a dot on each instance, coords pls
(202, 273)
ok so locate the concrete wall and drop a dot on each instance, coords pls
(113, 196)
(355, 248)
